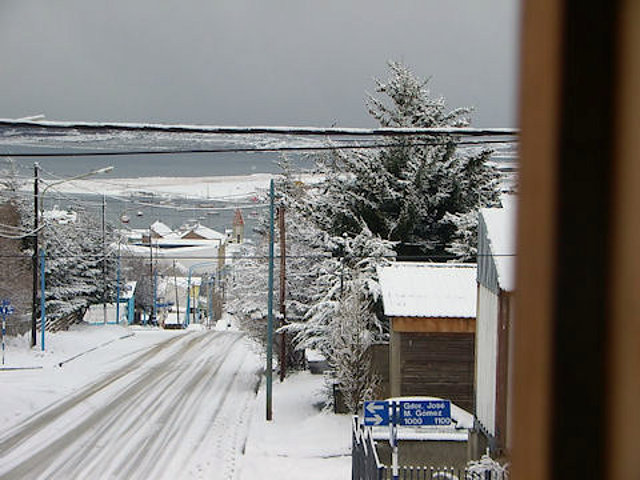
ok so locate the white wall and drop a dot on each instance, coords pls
(486, 357)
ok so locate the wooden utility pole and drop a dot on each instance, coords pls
(283, 279)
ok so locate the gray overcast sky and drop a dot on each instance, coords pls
(250, 62)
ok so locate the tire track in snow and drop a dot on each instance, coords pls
(151, 405)
(44, 456)
(38, 421)
(123, 416)
(193, 393)
(134, 433)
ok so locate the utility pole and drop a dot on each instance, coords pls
(118, 283)
(269, 371)
(151, 268)
(283, 279)
(34, 263)
(212, 283)
(104, 260)
(175, 285)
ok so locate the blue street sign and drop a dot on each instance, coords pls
(376, 413)
(425, 412)
(6, 308)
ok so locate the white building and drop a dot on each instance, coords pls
(496, 288)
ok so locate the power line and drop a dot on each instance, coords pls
(398, 258)
(303, 148)
(251, 130)
(23, 235)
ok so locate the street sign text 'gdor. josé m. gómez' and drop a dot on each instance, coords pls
(408, 412)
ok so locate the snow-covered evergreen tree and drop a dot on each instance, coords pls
(352, 265)
(423, 192)
(416, 196)
(247, 283)
(74, 276)
(349, 340)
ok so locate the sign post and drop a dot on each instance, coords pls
(425, 413)
(393, 440)
(376, 413)
(5, 310)
(414, 413)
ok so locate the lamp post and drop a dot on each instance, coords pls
(71, 179)
(39, 201)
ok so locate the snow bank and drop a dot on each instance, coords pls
(302, 441)
(207, 188)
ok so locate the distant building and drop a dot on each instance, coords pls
(128, 298)
(157, 230)
(431, 308)
(238, 227)
(200, 232)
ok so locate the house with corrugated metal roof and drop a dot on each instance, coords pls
(496, 290)
(431, 309)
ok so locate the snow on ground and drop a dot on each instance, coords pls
(301, 441)
(86, 352)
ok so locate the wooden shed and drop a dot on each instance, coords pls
(431, 309)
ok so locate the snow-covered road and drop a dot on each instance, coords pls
(179, 409)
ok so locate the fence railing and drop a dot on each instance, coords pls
(437, 473)
(365, 463)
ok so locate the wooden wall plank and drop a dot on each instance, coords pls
(624, 360)
(433, 324)
(540, 73)
(438, 364)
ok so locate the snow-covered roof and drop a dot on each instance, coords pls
(160, 228)
(501, 234)
(411, 289)
(205, 232)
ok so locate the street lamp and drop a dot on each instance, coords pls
(39, 199)
(71, 179)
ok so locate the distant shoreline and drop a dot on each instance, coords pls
(207, 188)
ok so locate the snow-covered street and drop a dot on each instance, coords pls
(179, 409)
(106, 401)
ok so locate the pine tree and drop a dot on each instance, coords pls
(422, 192)
(74, 267)
(416, 196)
(349, 354)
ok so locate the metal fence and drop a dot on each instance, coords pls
(365, 464)
(437, 473)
